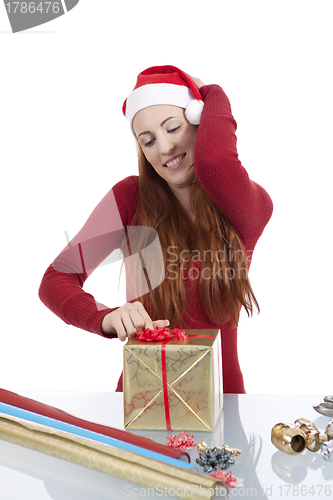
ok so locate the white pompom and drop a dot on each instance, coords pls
(193, 111)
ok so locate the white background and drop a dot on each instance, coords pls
(65, 143)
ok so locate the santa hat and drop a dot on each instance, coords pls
(165, 85)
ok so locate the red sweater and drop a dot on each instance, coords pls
(245, 203)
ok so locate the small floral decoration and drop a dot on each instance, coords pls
(228, 478)
(181, 441)
(215, 458)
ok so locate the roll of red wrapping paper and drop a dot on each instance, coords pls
(49, 411)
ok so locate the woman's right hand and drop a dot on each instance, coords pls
(129, 319)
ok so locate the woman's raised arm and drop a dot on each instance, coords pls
(246, 204)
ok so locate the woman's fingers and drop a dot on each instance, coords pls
(146, 319)
(133, 322)
(128, 319)
(148, 323)
(161, 323)
(116, 325)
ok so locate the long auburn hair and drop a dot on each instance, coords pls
(211, 233)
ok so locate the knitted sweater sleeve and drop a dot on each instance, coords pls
(61, 289)
(246, 204)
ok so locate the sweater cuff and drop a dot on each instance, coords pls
(98, 324)
(92, 322)
(215, 99)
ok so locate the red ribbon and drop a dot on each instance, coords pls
(163, 334)
(165, 386)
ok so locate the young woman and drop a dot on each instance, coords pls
(194, 193)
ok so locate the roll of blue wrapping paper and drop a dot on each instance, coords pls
(79, 431)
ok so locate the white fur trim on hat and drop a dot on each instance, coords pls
(193, 111)
(162, 93)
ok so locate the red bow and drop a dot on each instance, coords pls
(160, 334)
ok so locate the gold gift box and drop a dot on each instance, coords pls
(194, 383)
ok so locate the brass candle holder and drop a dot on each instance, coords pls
(288, 438)
(294, 438)
(313, 436)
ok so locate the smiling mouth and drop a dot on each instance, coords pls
(174, 162)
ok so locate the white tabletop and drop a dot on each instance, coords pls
(245, 423)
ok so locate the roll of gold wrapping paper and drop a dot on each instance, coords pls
(104, 458)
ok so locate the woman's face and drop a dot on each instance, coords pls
(167, 140)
